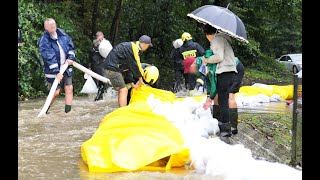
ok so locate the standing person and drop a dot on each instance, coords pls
(233, 108)
(56, 48)
(177, 63)
(97, 62)
(190, 48)
(126, 57)
(225, 71)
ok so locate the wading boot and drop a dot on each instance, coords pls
(216, 112)
(225, 132)
(67, 108)
(234, 120)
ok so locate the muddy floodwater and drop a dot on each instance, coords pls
(49, 146)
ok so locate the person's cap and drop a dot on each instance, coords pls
(145, 39)
(187, 63)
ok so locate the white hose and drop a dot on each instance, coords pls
(55, 83)
(52, 90)
(91, 73)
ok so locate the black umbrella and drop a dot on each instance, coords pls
(222, 19)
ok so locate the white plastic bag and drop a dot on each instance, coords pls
(89, 86)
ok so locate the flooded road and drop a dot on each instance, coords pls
(273, 107)
(49, 146)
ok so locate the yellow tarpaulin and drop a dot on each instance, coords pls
(133, 138)
(285, 92)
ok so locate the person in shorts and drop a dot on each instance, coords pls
(125, 57)
(56, 49)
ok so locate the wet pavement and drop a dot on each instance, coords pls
(49, 146)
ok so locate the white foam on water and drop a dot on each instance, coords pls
(211, 155)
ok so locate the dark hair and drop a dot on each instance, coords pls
(207, 29)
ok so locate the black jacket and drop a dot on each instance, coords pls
(176, 59)
(96, 60)
(121, 58)
(190, 48)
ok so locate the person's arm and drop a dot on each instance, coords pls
(71, 51)
(48, 55)
(200, 50)
(217, 47)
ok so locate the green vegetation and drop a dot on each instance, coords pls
(275, 126)
(271, 32)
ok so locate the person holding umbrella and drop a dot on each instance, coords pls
(220, 25)
(226, 69)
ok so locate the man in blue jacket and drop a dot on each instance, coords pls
(56, 48)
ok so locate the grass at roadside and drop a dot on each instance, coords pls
(273, 126)
(255, 76)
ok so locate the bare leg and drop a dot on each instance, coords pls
(232, 101)
(56, 94)
(122, 97)
(68, 89)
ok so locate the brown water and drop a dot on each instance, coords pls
(49, 146)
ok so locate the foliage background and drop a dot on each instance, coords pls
(273, 27)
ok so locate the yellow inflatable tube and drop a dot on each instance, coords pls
(285, 92)
(133, 138)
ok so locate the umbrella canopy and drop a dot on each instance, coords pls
(222, 19)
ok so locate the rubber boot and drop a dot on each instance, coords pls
(225, 132)
(67, 108)
(234, 120)
(216, 112)
(100, 93)
(176, 87)
(48, 110)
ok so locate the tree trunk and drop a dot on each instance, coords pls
(115, 23)
(95, 14)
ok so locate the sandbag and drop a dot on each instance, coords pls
(104, 48)
(132, 138)
(89, 86)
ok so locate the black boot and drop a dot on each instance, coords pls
(48, 110)
(216, 112)
(100, 93)
(175, 87)
(67, 108)
(225, 132)
(234, 120)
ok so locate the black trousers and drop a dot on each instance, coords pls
(224, 83)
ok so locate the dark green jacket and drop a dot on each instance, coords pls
(211, 78)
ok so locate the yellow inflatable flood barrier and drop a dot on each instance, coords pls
(132, 138)
(285, 92)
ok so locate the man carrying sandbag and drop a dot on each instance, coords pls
(124, 56)
(97, 63)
